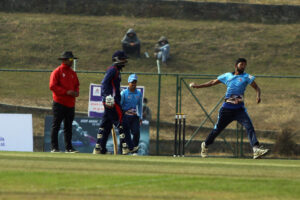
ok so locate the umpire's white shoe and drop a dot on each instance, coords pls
(55, 151)
(72, 150)
(204, 150)
(259, 152)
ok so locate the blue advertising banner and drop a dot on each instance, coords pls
(84, 138)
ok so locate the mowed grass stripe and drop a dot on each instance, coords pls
(149, 159)
(32, 175)
(81, 185)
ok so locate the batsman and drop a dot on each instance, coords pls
(111, 98)
(233, 108)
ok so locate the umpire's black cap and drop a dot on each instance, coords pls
(67, 55)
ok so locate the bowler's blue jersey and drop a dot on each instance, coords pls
(236, 84)
(132, 101)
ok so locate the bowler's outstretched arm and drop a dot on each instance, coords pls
(207, 84)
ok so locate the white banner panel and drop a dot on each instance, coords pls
(96, 107)
(16, 133)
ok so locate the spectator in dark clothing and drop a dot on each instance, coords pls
(162, 49)
(131, 43)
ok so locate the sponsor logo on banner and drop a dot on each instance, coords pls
(97, 91)
(2, 141)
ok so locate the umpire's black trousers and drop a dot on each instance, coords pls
(66, 114)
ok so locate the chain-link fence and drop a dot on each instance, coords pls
(278, 110)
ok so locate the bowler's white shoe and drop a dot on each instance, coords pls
(259, 152)
(204, 150)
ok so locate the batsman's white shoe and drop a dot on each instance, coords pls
(259, 152)
(204, 150)
(125, 151)
(96, 151)
(135, 149)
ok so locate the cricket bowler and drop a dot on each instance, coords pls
(233, 107)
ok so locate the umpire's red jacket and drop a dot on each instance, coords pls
(62, 79)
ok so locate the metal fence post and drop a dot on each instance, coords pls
(75, 65)
(177, 87)
(180, 90)
(158, 114)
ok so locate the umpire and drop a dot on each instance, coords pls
(111, 98)
(64, 85)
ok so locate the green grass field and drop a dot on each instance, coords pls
(86, 176)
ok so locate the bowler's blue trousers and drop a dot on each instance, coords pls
(226, 116)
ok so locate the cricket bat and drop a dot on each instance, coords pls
(114, 137)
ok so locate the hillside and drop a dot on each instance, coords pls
(34, 41)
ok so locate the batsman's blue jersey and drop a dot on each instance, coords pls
(111, 84)
(132, 101)
(236, 85)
